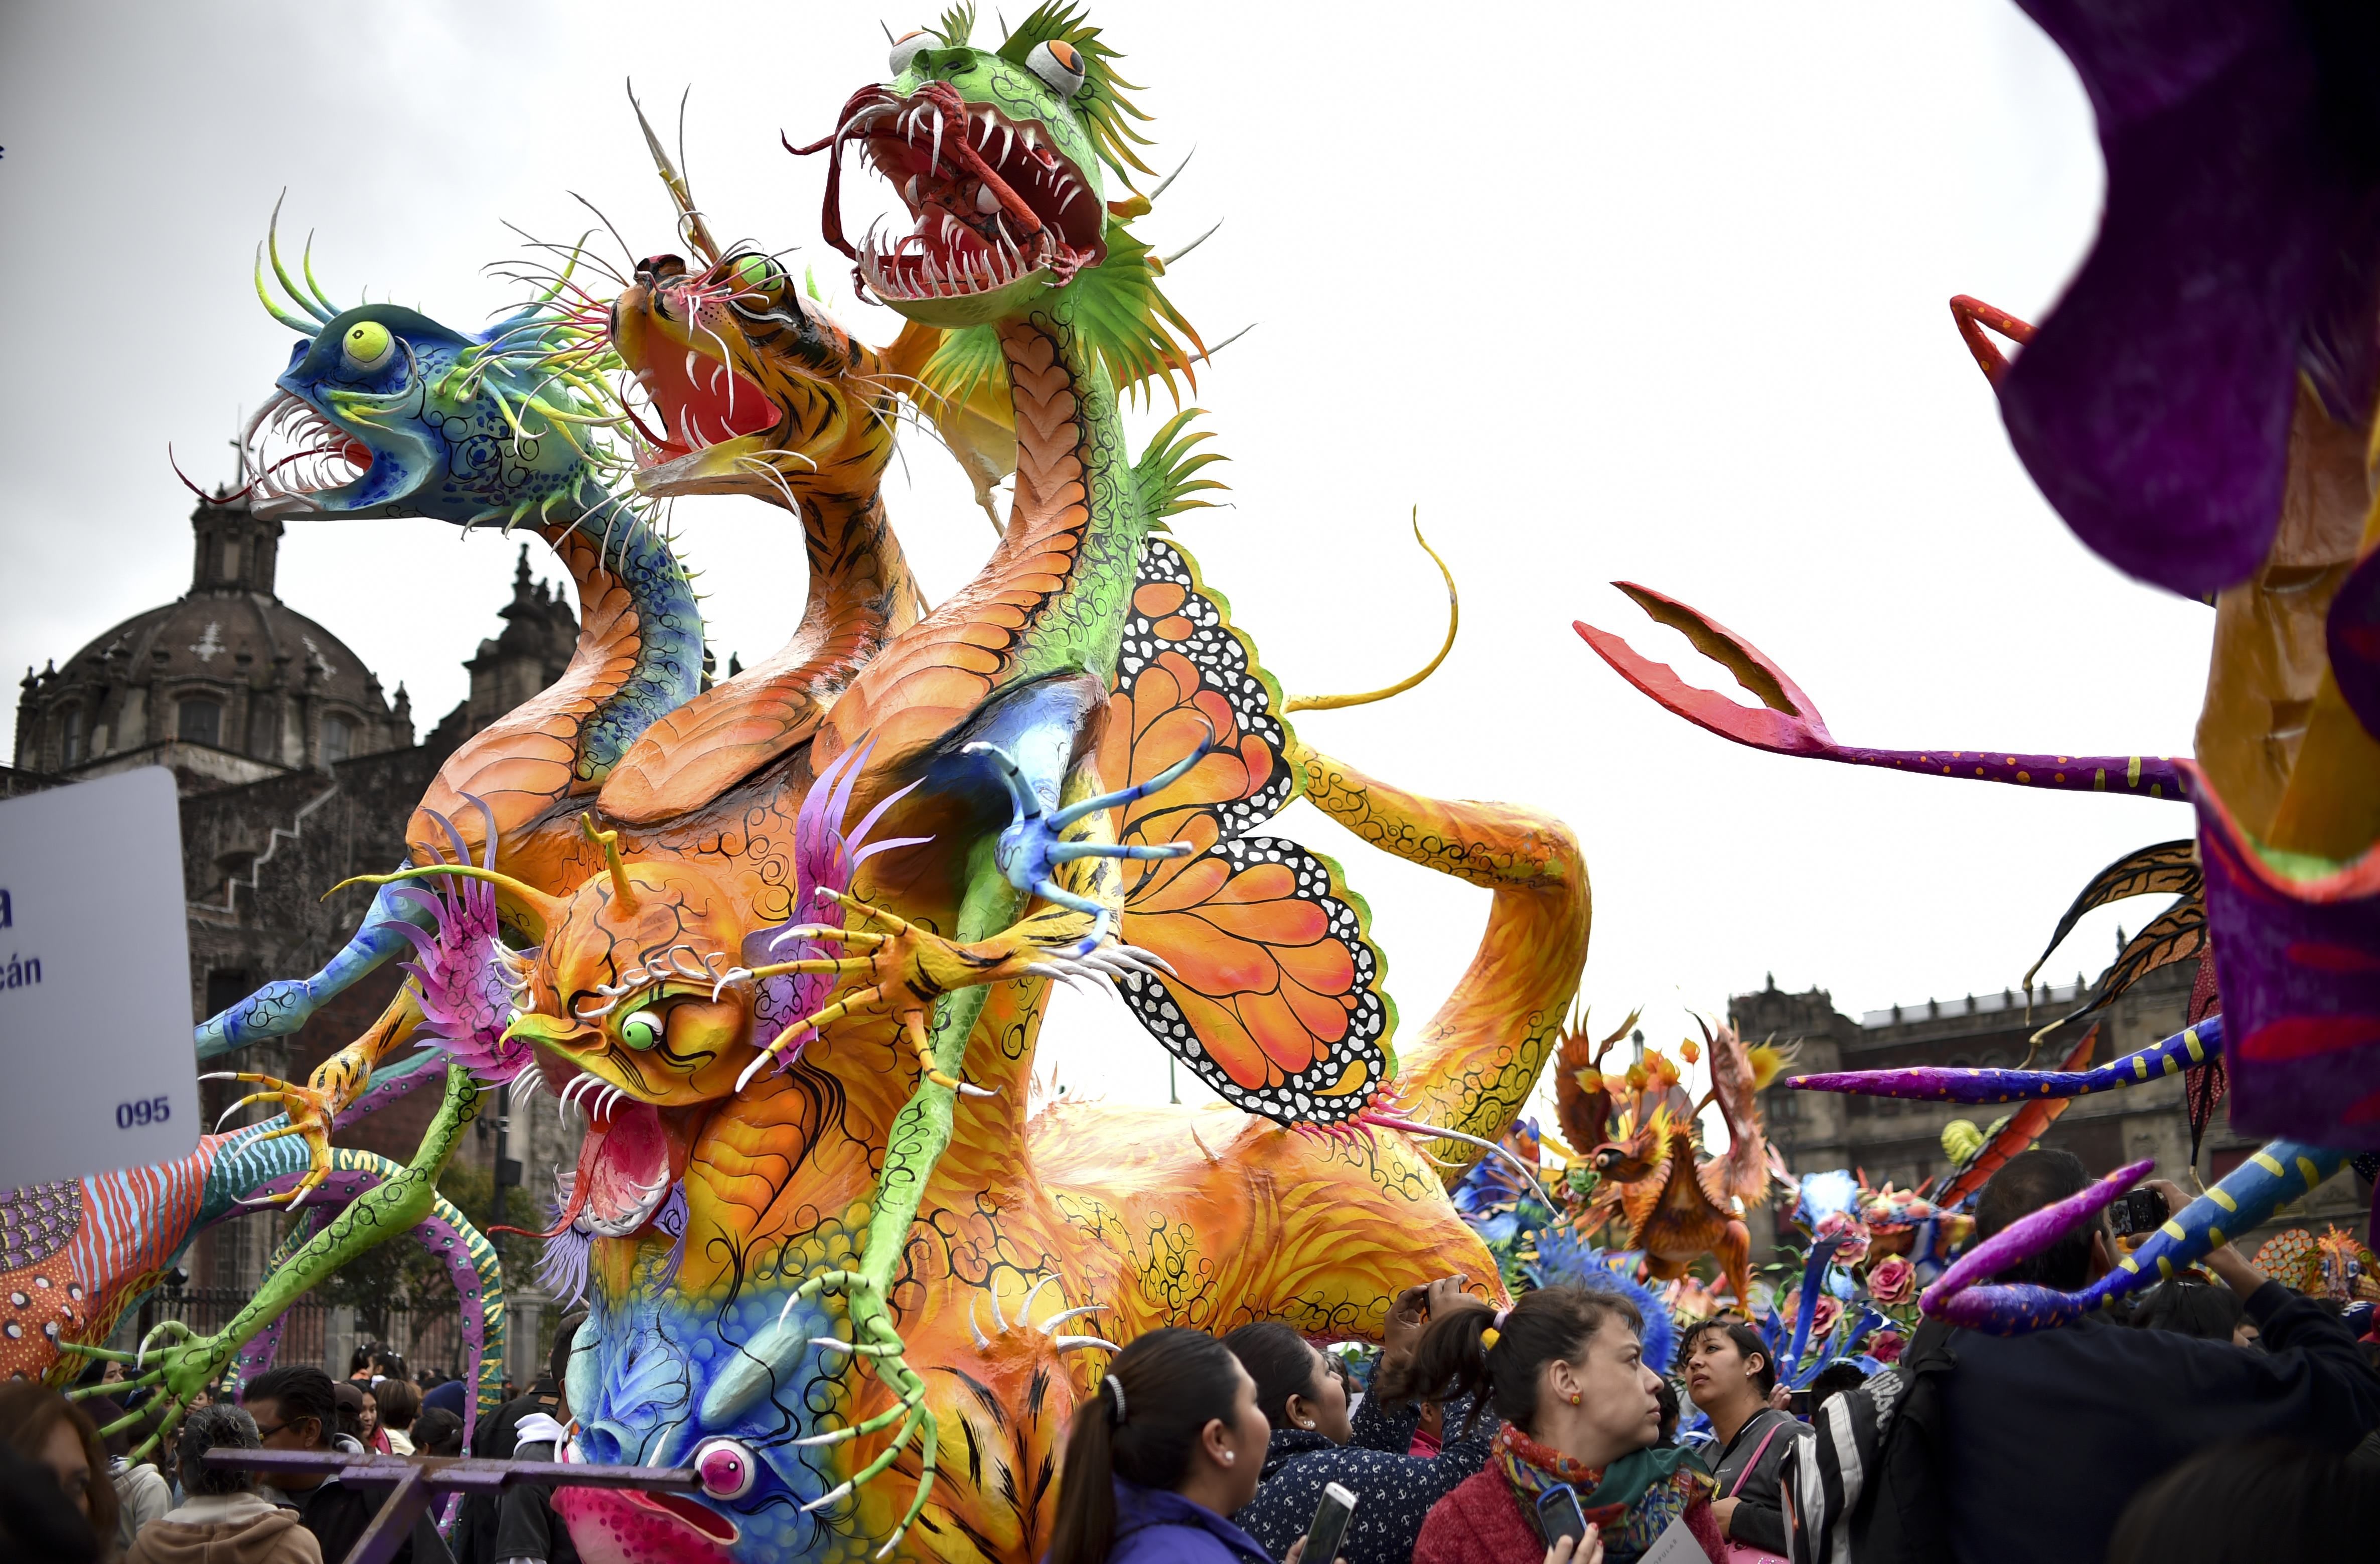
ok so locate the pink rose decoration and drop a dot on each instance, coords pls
(1892, 1281)
(1822, 1318)
(1884, 1346)
(1854, 1236)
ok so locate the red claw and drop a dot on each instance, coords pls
(1787, 721)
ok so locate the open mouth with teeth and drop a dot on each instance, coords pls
(997, 211)
(623, 1163)
(697, 394)
(302, 463)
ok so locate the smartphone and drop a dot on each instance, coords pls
(2144, 1210)
(1802, 1405)
(1559, 1514)
(1328, 1532)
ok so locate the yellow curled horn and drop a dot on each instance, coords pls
(1453, 622)
(624, 895)
(546, 910)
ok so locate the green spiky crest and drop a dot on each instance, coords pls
(1167, 474)
(1103, 100)
(957, 26)
(1122, 316)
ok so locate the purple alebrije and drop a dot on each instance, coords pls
(2298, 962)
(2352, 633)
(1959, 1296)
(2240, 244)
(466, 976)
(824, 859)
(2187, 1049)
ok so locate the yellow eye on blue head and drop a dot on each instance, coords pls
(367, 346)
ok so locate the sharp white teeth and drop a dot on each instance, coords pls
(1072, 192)
(938, 138)
(985, 201)
(979, 126)
(1032, 142)
(1007, 140)
(910, 190)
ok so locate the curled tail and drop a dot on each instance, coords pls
(1473, 1065)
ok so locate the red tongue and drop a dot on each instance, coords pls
(590, 1151)
(624, 1152)
(616, 1174)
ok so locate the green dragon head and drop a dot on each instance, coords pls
(998, 155)
(383, 411)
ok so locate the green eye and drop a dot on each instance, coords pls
(755, 273)
(641, 1030)
(368, 344)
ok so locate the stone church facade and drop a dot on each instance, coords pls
(1890, 1139)
(294, 772)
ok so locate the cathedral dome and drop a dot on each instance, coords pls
(236, 683)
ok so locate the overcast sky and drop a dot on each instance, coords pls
(1611, 292)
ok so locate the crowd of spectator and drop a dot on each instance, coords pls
(2212, 1422)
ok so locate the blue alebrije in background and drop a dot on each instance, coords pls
(1491, 1183)
(1564, 1261)
(1823, 1194)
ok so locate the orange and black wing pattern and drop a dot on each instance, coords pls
(1274, 997)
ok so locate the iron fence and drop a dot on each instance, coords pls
(312, 1331)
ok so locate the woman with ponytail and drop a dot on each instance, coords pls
(1563, 1370)
(1168, 1445)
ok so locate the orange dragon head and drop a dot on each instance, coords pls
(626, 987)
(756, 388)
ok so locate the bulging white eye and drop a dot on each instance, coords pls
(641, 1030)
(368, 345)
(907, 48)
(1058, 63)
(727, 1467)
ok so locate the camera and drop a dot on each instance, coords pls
(2144, 1210)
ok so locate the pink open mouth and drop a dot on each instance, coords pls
(623, 1526)
(623, 1164)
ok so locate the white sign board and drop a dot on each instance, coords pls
(97, 1067)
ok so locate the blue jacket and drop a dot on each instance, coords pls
(1157, 1527)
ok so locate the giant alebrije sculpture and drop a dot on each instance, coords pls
(788, 943)
(2229, 454)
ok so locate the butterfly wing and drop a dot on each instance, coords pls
(1274, 995)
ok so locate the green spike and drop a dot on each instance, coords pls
(288, 285)
(306, 328)
(305, 264)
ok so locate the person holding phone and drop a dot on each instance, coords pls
(1317, 1445)
(1168, 1445)
(1565, 1370)
(1728, 1376)
(2037, 1442)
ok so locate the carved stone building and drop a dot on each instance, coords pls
(294, 772)
(226, 684)
(1902, 1141)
